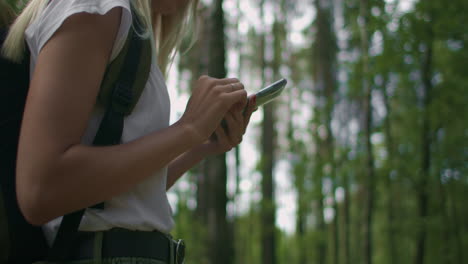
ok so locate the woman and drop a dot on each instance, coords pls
(58, 171)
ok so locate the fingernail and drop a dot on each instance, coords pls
(254, 99)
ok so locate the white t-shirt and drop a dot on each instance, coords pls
(146, 206)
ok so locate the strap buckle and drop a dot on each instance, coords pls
(179, 251)
(122, 96)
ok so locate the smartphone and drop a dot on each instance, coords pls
(264, 96)
(270, 92)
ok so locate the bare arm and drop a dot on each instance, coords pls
(185, 162)
(55, 173)
(237, 123)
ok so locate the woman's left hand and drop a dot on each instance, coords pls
(229, 136)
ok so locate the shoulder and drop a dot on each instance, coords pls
(58, 12)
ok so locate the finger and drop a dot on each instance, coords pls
(223, 140)
(236, 113)
(232, 125)
(221, 135)
(247, 119)
(240, 119)
(227, 81)
(251, 107)
(252, 102)
(240, 107)
(235, 129)
(230, 87)
(239, 96)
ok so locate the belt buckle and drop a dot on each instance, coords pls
(179, 251)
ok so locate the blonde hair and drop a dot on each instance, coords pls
(167, 30)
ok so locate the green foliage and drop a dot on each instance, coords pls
(16, 5)
(193, 233)
(399, 42)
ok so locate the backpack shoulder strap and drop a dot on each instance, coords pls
(4, 234)
(121, 88)
(123, 84)
(126, 76)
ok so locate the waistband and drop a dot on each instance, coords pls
(118, 242)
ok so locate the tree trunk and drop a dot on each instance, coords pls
(423, 196)
(391, 229)
(325, 85)
(199, 65)
(268, 203)
(268, 207)
(300, 220)
(445, 245)
(299, 162)
(370, 171)
(219, 238)
(220, 244)
(456, 228)
(321, 246)
(347, 220)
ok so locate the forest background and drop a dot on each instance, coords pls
(363, 159)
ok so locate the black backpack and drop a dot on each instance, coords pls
(123, 82)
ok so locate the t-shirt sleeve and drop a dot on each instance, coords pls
(53, 16)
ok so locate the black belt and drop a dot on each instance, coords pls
(119, 242)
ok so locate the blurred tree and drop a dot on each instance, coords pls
(426, 71)
(324, 76)
(7, 13)
(208, 56)
(402, 77)
(267, 160)
(215, 169)
(363, 21)
(384, 65)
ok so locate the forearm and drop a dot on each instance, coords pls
(222, 143)
(185, 162)
(82, 175)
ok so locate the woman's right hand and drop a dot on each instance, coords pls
(211, 99)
